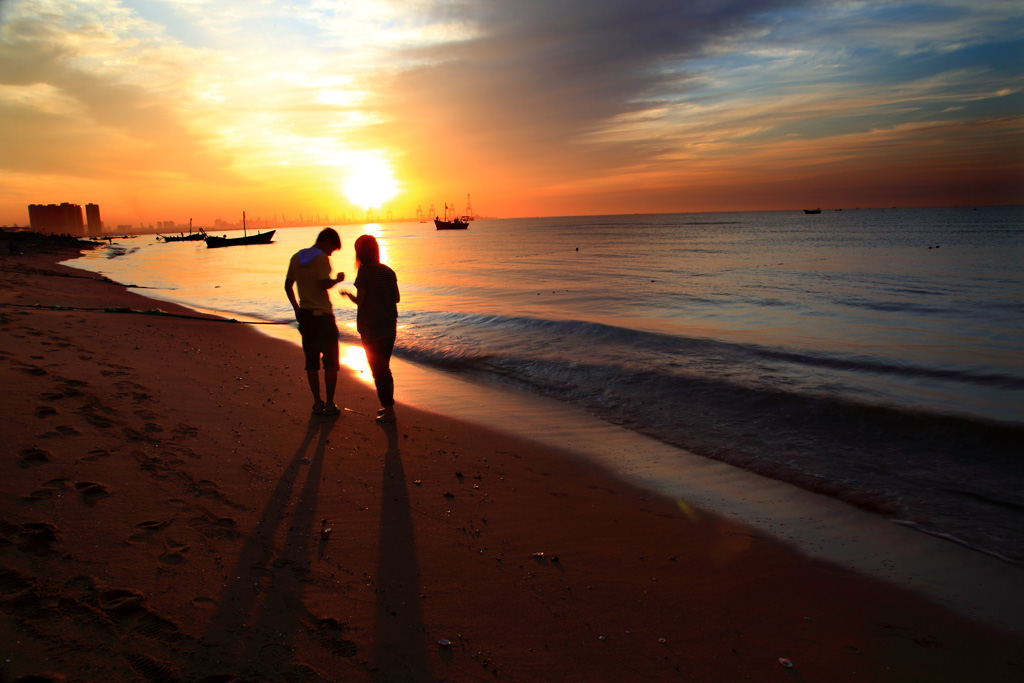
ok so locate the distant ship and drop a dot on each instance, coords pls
(812, 210)
(454, 224)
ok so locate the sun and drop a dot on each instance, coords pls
(371, 183)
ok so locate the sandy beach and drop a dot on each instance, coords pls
(165, 486)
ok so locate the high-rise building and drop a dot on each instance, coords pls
(92, 215)
(65, 219)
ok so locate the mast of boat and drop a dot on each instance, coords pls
(190, 226)
(243, 224)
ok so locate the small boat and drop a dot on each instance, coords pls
(182, 237)
(454, 224)
(812, 210)
(191, 237)
(259, 238)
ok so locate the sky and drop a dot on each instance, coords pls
(203, 109)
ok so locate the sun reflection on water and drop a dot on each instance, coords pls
(378, 232)
(354, 357)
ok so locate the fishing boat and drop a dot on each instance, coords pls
(454, 224)
(812, 210)
(190, 237)
(259, 238)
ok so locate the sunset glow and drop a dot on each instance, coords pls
(370, 183)
(161, 110)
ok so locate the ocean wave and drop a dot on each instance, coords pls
(884, 458)
(449, 339)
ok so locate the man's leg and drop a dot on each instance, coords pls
(313, 376)
(331, 353)
(312, 356)
(330, 382)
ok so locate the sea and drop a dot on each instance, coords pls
(868, 356)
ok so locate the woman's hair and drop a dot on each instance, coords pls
(330, 237)
(367, 250)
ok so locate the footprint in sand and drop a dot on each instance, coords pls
(32, 538)
(145, 530)
(205, 487)
(122, 601)
(215, 527)
(72, 387)
(274, 656)
(150, 669)
(95, 454)
(44, 677)
(60, 430)
(155, 465)
(185, 430)
(134, 435)
(130, 610)
(91, 491)
(32, 456)
(45, 411)
(202, 601)
(174, 553)
(329, 632)
(92, 410)
(49, 490)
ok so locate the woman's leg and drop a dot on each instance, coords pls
(378, 356)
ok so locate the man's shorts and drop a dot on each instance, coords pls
(319, 337)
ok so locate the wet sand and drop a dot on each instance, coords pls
(164, 487)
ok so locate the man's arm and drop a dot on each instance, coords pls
(289, 288)
(329, 282)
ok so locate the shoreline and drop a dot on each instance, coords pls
(163, 504)
(972, 581)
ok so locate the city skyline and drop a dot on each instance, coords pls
(302, 219)
(158, 110)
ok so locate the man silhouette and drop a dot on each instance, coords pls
(310, 269)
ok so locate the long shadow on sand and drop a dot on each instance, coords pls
(260, 609)
(398, 649)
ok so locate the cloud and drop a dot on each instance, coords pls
(526, 98)
(89, 91)
(576, 92)
(544, 73)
